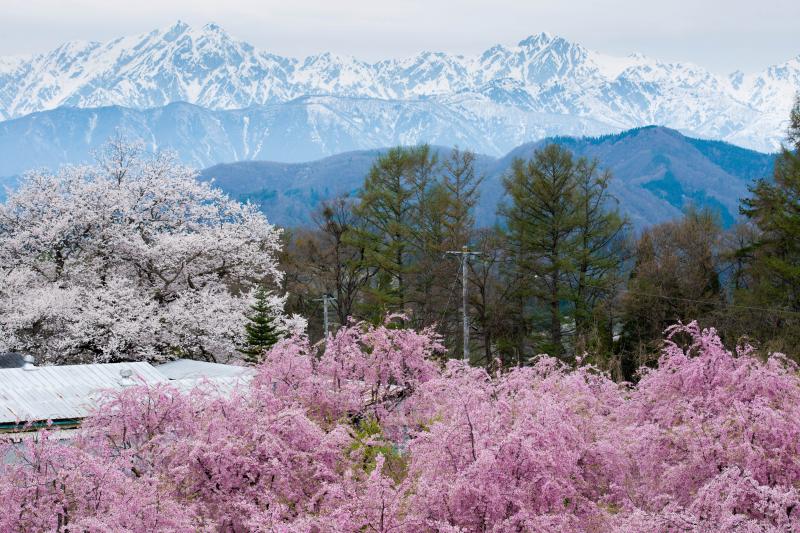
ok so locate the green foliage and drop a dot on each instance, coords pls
(564, 239)
(550, 278)
(412, 209)
(390, 206)
(261, 331)
(459, 185)
(598, 248)
(540, 221)
(369, 442)
(772, 275)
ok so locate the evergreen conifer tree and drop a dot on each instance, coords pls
(564, 237)
(391, 207)
(598, 249)
(773, 276)
(541, 220)
(261, 332)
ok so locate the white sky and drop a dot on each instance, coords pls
(717, 34)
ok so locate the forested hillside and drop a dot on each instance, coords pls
(658, 172)
(581, 259)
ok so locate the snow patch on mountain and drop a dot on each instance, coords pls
(505, 88)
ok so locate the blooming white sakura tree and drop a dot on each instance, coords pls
(132, 258)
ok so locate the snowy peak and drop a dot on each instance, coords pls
(328, 68)
(535, 60)
(611, 67)
(536, 42)
(179, 63)
(542, 74)
(426, 74)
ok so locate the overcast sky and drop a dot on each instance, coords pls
(722, 35)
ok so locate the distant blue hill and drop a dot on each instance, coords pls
(657, 173)
(288, 193)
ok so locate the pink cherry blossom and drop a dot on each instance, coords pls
(370, 432)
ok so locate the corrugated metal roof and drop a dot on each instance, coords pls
(63, 392)
(190, 369)
(221, 385)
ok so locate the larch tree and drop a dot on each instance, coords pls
(461, 183)
(446, 223)
(599, 248)
(390, 207)
(541, 222)
(386, 249)
(773, 271)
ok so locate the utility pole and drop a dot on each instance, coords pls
(464, 253)
(325, 299)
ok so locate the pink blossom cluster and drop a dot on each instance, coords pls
(373, 433)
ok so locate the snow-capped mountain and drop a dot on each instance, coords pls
(503, 92)
(303, 129)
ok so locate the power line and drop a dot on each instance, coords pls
(726, 305)
(325, 299)
(464, 253)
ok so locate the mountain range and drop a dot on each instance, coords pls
(657, 173)
(288, 133)
(304, 129)
(257, 105)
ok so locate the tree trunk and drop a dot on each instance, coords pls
(555, 315)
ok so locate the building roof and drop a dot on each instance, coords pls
(64, 392)
(222, 386)
(191, 369)
(11, 360)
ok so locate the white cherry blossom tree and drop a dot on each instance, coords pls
(132, 258)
